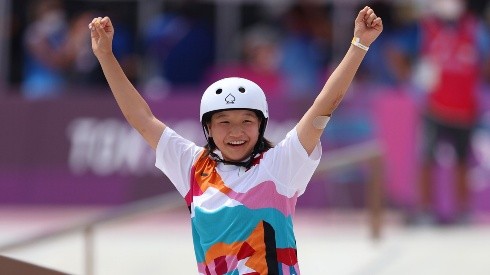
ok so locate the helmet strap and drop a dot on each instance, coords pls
(248, 163)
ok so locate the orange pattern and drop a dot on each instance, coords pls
(256, 241)
(206, 175)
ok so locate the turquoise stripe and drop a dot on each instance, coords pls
(197, 248)
(235, 224)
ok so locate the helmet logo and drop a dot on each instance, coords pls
(230, 99)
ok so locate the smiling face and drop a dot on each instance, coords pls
(235, 133)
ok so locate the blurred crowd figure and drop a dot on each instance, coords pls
(445, 54)
(259, 60)
(306, 47)
(377, 68)
(54, 46)
(289, 58)
(58, 58)
(179, 48)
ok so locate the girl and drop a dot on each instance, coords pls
(241, 191)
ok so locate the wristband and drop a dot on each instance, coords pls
(356, 42)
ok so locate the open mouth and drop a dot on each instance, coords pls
(236, 143)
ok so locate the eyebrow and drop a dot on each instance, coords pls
(221, 115)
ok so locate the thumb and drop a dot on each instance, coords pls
(100, 30)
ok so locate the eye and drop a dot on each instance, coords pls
(219, 91)
(241, 90)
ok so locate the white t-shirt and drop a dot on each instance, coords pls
(241, 219)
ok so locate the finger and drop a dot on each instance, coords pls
(368, 12)
(91, 25)
(97, 20)
(371, 19)
(100, 30)
(362, 14)
(378, 24)
(93, 31)
(106, 21)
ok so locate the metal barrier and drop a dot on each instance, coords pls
(369, 153)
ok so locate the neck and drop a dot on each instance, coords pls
(246, 163)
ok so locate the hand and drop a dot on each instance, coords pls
(367, 26)
(102, 33)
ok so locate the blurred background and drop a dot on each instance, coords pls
(404, 182)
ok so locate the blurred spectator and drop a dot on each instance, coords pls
(79, 71)
(180, 46)
(259, 63)
(123, 43)
(306, 47)
(51, 47)
(376, 69)
(85, 70)
(449, 50)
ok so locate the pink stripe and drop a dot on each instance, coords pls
(232, 262)
(274, 199)
(296, 267)
(285, 268)
(201, 268)
(212, 268)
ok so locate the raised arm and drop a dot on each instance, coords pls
(133, 106)
(367, 28)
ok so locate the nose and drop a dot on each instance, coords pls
(236, 131)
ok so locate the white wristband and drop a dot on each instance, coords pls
(356, 42)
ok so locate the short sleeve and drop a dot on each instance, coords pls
(174, 157)
(290, 163)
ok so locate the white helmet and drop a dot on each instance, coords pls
(233, 93)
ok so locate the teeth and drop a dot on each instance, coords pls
(237, 142)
